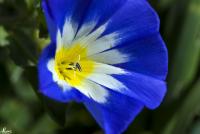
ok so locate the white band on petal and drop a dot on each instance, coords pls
(93, 91)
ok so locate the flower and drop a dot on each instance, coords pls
(107, 55)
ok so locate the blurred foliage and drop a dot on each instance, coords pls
(24, 110)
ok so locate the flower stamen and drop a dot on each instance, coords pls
(70, 67)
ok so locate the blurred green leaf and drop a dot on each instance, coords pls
(23, 49)
(3, 37)
(56, 110)
(41, 41)
(173, 25)
(21, 86)
(166, 3)
(196, 128)
(186, 57)
(4, 54)
(185, 113)
(15, 114)
(39, 128)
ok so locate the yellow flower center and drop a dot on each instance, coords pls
(72, 64)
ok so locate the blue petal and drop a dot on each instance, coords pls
(100, 11)
(114, 116)
(127, 17)
(135, 19)
(147, 56)
(46, 84)
(148, 90)
(50, 22)
(60, 10)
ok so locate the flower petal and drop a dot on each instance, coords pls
(146, 55)
(62, 10)
(111, 57)
(135, 19)
(98, 13)
(148, 90)
(114, 116)
(107, 81)
(52, 28)
(93, 91)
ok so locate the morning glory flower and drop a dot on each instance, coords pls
(106, 54)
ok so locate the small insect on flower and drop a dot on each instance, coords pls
(108, 55)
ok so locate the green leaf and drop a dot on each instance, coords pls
(23, 49)
(41, 41)
(175, 16)
(3, 37)
(4, 54)
(15, 114)
(56, 110)
(184, 115)
(187, 54)
(20, 85)
(196, 128)
(166, 3)
(39, 128)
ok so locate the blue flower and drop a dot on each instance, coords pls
(108, 55)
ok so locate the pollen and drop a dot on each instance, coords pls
(72, 64)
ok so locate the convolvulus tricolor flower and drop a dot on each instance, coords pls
(107, 54)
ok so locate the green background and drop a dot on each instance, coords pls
(23, 34)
